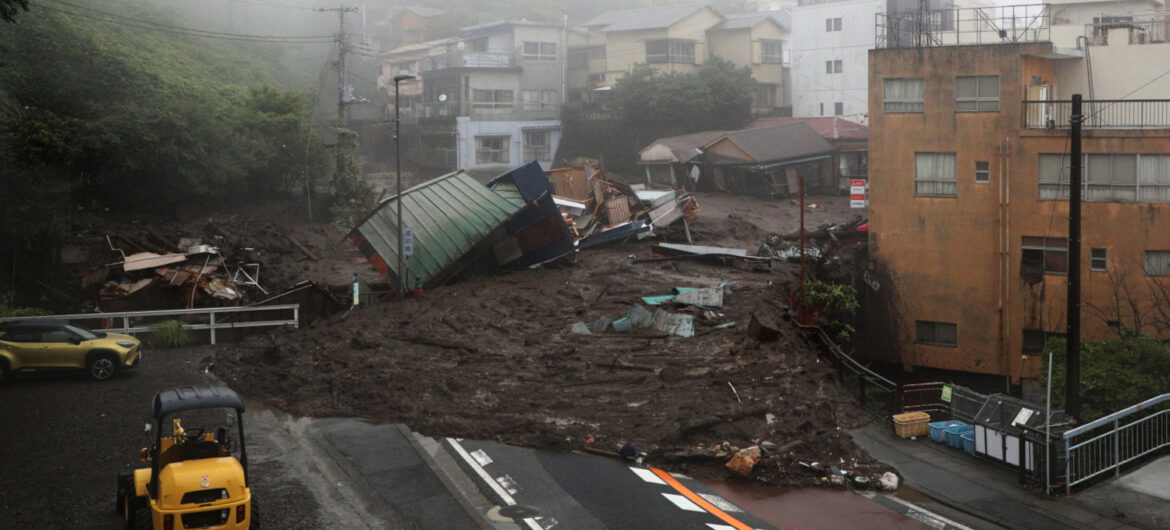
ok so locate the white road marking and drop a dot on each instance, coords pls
(683, 502)
(919, 513)
(720, 502)
(508, 483)
(481, 457)
(491, 482)
(647, 475)
(714, 526)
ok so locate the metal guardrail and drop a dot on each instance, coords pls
(1099, 114)
(211, 325)
(876, 394)
(919, 28)
(1107, 443)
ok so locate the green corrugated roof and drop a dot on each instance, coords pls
(450, 215)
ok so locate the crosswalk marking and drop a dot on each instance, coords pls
(647, 475)
(683, 502)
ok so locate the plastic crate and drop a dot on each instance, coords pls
(912, 424)
(937, 428)
(955, 435)
(968, 442)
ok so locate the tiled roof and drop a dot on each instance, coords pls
(642, 18)
(829, 127)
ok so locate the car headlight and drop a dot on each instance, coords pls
(126, 344)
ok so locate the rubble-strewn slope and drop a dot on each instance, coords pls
(493, 357)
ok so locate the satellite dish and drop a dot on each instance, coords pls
(442, 97)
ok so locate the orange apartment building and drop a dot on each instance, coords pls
(969, 194)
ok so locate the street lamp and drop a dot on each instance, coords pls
(398, 175)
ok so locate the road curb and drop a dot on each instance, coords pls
(457, 493)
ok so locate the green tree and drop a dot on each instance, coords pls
(835, 305)
(1114, 373)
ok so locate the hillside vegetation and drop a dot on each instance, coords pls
(115, 119)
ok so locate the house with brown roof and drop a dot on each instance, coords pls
(851, 140)
(771, 161)
(674, 161)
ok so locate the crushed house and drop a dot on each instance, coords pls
(771, 161)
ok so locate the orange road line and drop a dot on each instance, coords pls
(695, 498)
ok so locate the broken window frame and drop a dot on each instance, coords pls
(933, 181)
(486, 152)
(973, 93)
(936, 333)
(1044, 255)
(903, 95)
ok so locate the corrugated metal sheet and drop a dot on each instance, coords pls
(450, 215)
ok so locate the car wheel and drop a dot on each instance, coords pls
(102, 367)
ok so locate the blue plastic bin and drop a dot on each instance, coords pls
(937, 429)
(968, 442)
(955, 435)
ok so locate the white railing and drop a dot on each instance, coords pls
(133, 321)
(1110, 442)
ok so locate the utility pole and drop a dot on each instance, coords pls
(1072, 385)
(342, 49)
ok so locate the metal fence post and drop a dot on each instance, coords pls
(126, 322)
(1067, 469)
(297, 316)
(212, 327)
(1116, 450)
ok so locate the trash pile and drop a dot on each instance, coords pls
(699, 302)
(199, 277)
(826, 248)
(599, 211)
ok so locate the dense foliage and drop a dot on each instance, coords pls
(109, 118)
(717, 96)
(1114, 373)
(835, 305)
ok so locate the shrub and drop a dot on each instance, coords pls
(836, 304)
(170, 334)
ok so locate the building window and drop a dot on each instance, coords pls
(1111, 178)
(1107, 177)
(538, 99)
(934, 175)
(491, 99)
(1098, 259)
(537, 145)
(822, 109)
(540, 51)
(670, 51)
(828, 67)
(491, 149)
(765, 96)
(982, 172)
(1043, 255)
(771, 51)
(834, 67)
(833, 24)
(578, 59)
(1158, 262)
(660, 174)
(977, 93)
(1036, 340)
(903, 95)
(838, 108)
(936, 333)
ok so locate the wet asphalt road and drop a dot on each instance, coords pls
(64, 437)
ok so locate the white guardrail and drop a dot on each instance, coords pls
(211, 325)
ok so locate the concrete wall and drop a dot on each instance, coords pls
(811, 46)
(1118, 68)
(929, 252)
(467, 130)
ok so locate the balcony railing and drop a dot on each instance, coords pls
(462, 59)
(956, 27)
(1153, 29)
(1099, 114)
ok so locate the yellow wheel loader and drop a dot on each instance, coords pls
(197, 476)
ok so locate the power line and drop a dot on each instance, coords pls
(111, 18)
(274, 4)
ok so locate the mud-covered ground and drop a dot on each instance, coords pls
(492, 357)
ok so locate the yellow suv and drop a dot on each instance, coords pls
(38, 345)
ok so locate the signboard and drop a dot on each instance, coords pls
(1023, 417)
(946, 394)
(857, 193)
(407, 241)
(356, 294)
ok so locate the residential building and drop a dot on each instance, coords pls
(757, 40)
(675, 161)
(830, 41)
(968, 239)
(770, 161)
(850, 139)
(490, 99)
(679, 39)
